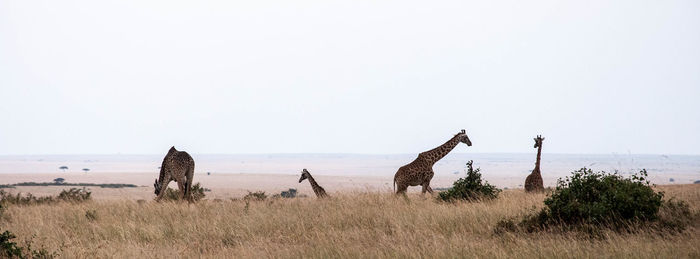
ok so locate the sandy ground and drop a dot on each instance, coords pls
(227, 185)
(232, 176)
(223, 186)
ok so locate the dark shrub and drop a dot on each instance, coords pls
(19, 199)
(102, 185)
(588, 197)
(470, 188)
(197, 193)
(75, 195)
(291, 193)
(9, 249)
(72, 195)
(258, 196)
(589, 201)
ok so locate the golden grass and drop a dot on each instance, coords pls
(361, 225)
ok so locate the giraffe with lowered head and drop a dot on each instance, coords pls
(177, 166)
(320, 192)
(533, 182)
(420, 171)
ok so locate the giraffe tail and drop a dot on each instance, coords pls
(394, 183)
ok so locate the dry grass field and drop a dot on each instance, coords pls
(349, 225)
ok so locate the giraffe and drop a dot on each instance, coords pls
(420, 171)
(320, 192)
(533, 182)
(177, 166)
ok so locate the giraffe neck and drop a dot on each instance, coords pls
(537, 162)
(163, 165)
(438, 153)
(313, 183)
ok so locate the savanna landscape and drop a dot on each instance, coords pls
(470, 219)
(349, 129)
(348, 225)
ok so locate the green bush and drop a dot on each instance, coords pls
(470, 188)
(588, 201)
(258, 196)
(588, 197)
(72, 195)
(197, 193)
(75, 195)
(10, 249)
(19, 199)
(101, 185)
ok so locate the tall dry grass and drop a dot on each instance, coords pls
(359, 225)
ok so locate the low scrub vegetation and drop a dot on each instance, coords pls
(10, 249)
(291, 193)
(590, 200)
(470, 188)
(61, 183)
(255, 196)
(197, 193)
(71, 195)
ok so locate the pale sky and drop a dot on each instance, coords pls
(136, 77)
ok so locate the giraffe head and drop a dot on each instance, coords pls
(304, 174)
(157, 186)
(464, 138)
(538, 141)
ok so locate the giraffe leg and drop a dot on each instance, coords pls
(401, 188)
(181, 188)
(188, 183)
(426, 188)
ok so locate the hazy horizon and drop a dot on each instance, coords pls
(682, 168)
(358, 154)
(358, 77)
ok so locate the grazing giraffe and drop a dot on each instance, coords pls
(533, 182)
(420, 171)
(177, 166)
(320, 192)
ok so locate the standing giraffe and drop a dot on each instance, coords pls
(533, 182)
(420, 171)
(320, 192)
(177, 166)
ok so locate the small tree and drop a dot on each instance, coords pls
(59, 180)
(64, 168)
(470, 188)
(86, 170)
